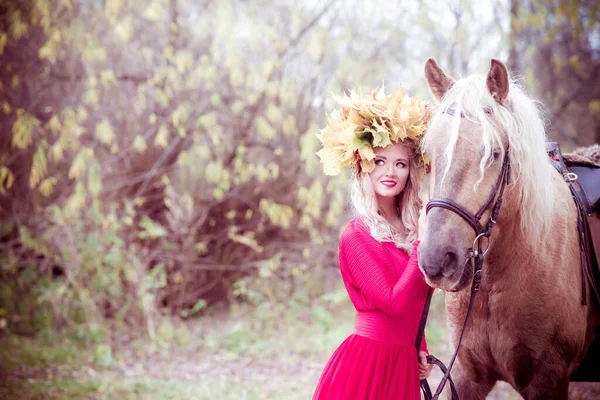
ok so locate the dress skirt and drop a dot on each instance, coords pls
(376, 362)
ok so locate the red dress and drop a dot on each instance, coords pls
(379, 360)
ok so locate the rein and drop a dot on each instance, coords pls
(476, 254)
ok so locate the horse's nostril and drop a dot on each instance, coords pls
(433, 271)
(449, 263)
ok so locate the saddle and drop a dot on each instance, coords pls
(583, 176)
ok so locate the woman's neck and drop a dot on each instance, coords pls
(389, 210)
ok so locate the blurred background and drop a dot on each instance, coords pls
(166, 231)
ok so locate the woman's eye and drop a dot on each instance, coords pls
(379, 162)
(400, 165)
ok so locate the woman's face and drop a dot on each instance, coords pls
(391, 170)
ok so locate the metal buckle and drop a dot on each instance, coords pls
(570, 177)
(476, 250)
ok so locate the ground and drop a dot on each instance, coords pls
(235, 355)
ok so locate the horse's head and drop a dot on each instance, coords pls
(474, 136)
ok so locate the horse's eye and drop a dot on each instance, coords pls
(496, 155)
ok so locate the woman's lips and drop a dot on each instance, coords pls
(389, 184)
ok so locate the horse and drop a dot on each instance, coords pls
(528, 326)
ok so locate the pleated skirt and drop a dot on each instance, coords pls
(365, 369)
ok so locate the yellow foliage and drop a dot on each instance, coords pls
(50, 49)
(94, 183)
(6, 107)
(181, 114)
(201, 248)
(215, 100)
(594, 107)
(56, 150)
(274, 113)
(264, 129)
(162, 136)
(154, 12)
(18, 26)
(39, 165)
(107, 77)
(112, 8)
(91, 96)
(77, 199)
(183, 61)
(80, 163)
(247, 239)
(14, 82)
(124, 29)
(54, 124)
(207, 121)
(289, 125)
(3, 40)
(278, 214)
(23, 129)
(47, 186)
(139, 144)
(104, 132)
(6, 180)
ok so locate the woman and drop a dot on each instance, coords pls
(378, 137)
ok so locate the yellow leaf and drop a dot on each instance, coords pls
(54, 124)
(80, 162)
(201, 248)
(246, 239)
(124, 29)
(18, 26)
(264, 129)
(139, 144)
(50, 49)
(215, 100)
(162, 136)
(104, 132)
(6, 107)
(207, 121)
(47, 186)
(274, 113)
(112, 8)
(56, 150)
(107, 77)
(181, 114)
(39, 165)
(3, 40)
(23, 129)
(6, 179)
(94, 183)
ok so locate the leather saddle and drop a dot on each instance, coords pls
(583, 176)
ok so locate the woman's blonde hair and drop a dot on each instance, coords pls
(408, 204)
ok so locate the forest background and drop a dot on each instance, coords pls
(165, 227)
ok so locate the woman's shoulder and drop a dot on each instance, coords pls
(357, 229)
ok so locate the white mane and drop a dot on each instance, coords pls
(531, 170)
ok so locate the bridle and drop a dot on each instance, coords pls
(476, 252)
(474, 220)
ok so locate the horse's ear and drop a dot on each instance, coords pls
(438, 81)
(497, 81)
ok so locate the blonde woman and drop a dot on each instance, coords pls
(378, 137)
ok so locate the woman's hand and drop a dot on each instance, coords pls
(424, 368)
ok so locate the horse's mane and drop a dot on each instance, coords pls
(521, 120)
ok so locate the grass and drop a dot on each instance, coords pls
(275, 351)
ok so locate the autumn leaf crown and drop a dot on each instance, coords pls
(361, 123)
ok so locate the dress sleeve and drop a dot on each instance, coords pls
(367, 266)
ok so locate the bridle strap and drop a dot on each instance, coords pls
(474, 220)
(452, 206)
